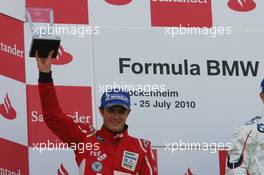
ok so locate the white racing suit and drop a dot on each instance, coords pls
(246, 156)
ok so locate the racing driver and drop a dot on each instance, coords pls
(116, 152)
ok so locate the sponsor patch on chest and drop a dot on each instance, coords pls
(129, 160)
(100, 156)
(120, 173)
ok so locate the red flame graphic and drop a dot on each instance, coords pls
(118, 2)
(63, 57)
(189, 172)
(62, 171)
(6, 109)
(242, 5)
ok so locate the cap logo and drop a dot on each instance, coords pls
(109, 97)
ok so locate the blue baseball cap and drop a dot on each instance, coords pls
(115, 97)
(262, 86)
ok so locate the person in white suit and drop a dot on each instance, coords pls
(246, 156)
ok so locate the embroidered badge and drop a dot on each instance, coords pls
(260, 127)
(100, 139)
(120, 173)
(100, 156)
(97, 166)
(146, 143)
(129, 160)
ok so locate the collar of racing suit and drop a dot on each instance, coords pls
(105, 134)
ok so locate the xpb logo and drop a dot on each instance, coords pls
(6, 109)
(242, 5)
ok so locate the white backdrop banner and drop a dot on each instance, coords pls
(187, 90)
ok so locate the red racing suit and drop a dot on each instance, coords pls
(112, 154)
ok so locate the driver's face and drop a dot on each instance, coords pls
(114, 117)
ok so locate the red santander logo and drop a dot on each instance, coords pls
(242, 5)
(63, 57)
(189, 172)
(7, 110)
(118, 2)
(62, 171)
